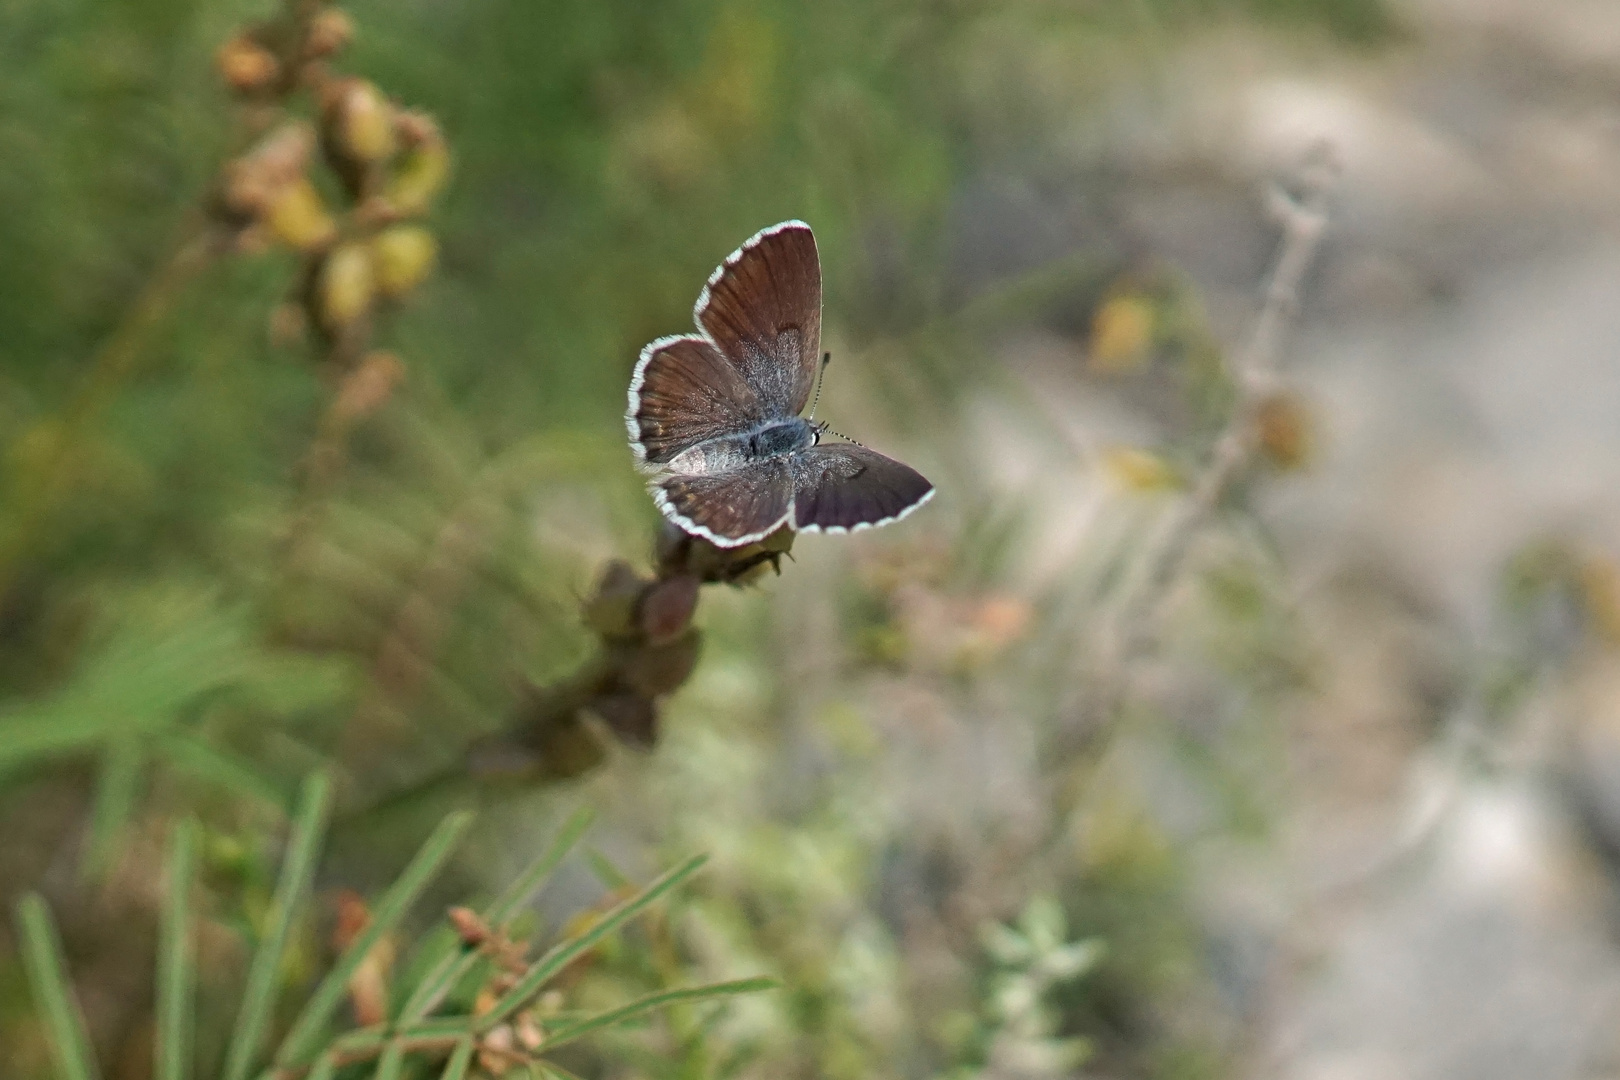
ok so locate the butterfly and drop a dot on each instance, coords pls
(714, 416)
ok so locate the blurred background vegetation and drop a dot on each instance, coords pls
(1093, 767)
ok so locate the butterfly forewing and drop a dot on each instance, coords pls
(684, 392)
(730, 508)
(762, 307)
(841, 487)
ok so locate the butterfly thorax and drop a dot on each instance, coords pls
(773, 438)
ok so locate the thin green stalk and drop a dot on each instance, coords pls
(456, 1067)
(392, 1062)
(177, 969)
(299, 1044)
(459, 957)
(258, 999)
(651, 1002)
(562, 954)
(42, 956)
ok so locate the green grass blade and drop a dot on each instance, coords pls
(651, 1002)
(299, 1043)
(325, 1067)
(457, 958)
(258, 998)
(177, 967)
(42, 956)
(456, 1067)
(392, 1063)
(187, 753)
(528, 883)
(113, 805)
(557, 1072)
(543, 969)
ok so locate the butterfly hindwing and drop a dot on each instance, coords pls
(842, 487)
(730, 508)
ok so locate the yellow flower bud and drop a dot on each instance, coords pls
(1122, 333)
(403, 256)
(347, 285)
(298, 218)
(422, 169)
(361, 121)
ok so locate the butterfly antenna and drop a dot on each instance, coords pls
(846, 438)
(821, 377)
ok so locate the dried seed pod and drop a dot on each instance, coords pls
(611, 610)
(468, 926)
(297, 217)
(347, 285)
(495, 1054)
(330, 32)
(654, 670)
(667, 607)
(630, 716)
(403, 256)
(365, 389)
(247, 66)
(1282, 426)
(253, 181)
(529, 1031)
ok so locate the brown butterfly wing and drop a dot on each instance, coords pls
(762, 307)
(841, 487)
(730, 508)
(684, 392)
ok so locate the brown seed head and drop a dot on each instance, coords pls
(329, 32)
(247, 66)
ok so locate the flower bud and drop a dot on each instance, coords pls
(666, 609)
(422, 169)
(247, 66)
(253, 181)
(654, 670)
(631, 717)
(298, 218)
(1122, 333)
(1283, 429)
(611, 610)
(347, 285)
(404, 255)
(360, 121)
(368, 387)
(329, 32)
